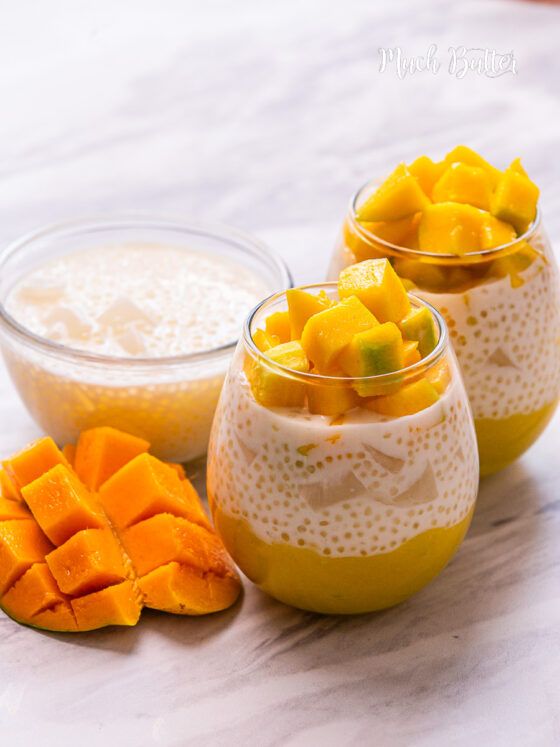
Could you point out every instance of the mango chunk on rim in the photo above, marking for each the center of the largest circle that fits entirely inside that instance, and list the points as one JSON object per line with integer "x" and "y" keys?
{"x": 100, "y": 452}
{"x": 419, "y": 325}
{"x": 278, "y": 324}
{"x": 275, "y": 389}
{"x": 399, "y": 196}
{"x": 462, "y": 183}
{"x": 327, "y": 333}
{"x": 378, "y": 287}
{"x": 301, "y": 306}
{"x": 61, "y": 505}
{"x": 408, "y": 400}
{"x": 515, "y": 200}
{"x": 450, "y": 228}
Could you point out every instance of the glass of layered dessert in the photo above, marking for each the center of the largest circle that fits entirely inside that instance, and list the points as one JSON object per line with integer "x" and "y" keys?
{"x": 468, "y": 238}
{"x": 130, "y": 323}
{"x": 342, "y": 467}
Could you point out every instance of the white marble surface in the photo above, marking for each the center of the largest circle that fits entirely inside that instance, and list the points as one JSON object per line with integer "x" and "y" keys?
{"x": 266, "y": 116}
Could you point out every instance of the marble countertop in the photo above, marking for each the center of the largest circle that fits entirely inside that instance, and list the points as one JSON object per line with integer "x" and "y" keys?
{"x": 267, "y": 116}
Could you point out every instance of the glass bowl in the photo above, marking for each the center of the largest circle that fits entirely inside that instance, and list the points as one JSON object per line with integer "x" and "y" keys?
{"x": 502, "y": 307}
{"x": 350, "y": 511}
{"x": 169, "y": 401}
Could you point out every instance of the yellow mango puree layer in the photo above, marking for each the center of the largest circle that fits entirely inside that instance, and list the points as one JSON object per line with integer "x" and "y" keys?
{"x": 502, "y": 440}
{"x": 339, "y": 585}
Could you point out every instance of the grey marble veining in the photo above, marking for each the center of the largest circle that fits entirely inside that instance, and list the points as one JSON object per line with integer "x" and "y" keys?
{"x": 267, "y": 116}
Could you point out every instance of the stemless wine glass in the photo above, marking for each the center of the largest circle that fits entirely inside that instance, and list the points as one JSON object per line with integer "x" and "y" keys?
{"x": 502, "y": 308}
{"x": 349, "y": 511}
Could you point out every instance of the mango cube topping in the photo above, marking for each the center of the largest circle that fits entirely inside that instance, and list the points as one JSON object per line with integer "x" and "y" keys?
{"x": 378, "y": 286}
{"x": 344, "y": 346}
{"x": 460, "y": 205}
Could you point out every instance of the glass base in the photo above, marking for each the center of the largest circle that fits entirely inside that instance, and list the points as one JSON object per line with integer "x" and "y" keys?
{"x": 345, "y": 585}
{"x": 502, "y": 441}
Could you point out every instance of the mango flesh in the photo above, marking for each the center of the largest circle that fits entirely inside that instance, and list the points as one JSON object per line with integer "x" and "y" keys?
{"x": 450, "y": 228}
{"x": 272, "y": 388}
{"x": 408, "y": 400}
{"x": 327, "y": 333}
{"x": 85, "y": 579}
{"x": 419, "y": 325}
{"x": 278, "y": 324}
{"x": 515, "y": 200}
{"x": 301, "y": 306}
{"x": 100, "y": 452}
{"x": 330, "y": 399}
{"x": 378, "y": 287}
{"x": 34, "y": 461}
{"x": 462, "y": 183}
{"x": 264, "y": 341}
{"x": 463, "y": 154}
{"x": 399, "y": 196}
{"x": 427, "y": 172}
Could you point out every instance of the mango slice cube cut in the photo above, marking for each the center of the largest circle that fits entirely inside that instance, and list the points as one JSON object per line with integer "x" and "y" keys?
{"x": 462, "y": 183}
{"x": 33, "y": 461}
{"x": 186, "y": 591}
{"x": 399, "y": 196}
{"x": 411, "y": 352}
{"x": 408, "y": 400}
{"x": 495, "y": 232}
{"x": 35, "y": 592}
{"x": 301, "y": 306}
{"x": 61, "y": 505}
{"x": 13, "y": 510}
{"x": 273, "y": 389}
{"x": 278, "y": 324}
{"x": 465, "y": 155}
{"x": 330, "y": 399}
{"x": 450, "y": 228}
{"x": 88, "y": 561}
{"x": 115, "y": 605}
{"x": 396, "y": 232}
{"x": 327, "y": 333}
{"x": 8, "y": 489}
{"x": 376, "y": 351}
{"x": 515, "y": 200}
{"x": 101, "y": 452}
{"x": 419, "y": 325}
{"x": 156, "y": 489}
{"x": 264, "y": 341}
{"x": 427, "y": 172}
{"x": 22, "y": 544}
{"x": 378, "y": 287}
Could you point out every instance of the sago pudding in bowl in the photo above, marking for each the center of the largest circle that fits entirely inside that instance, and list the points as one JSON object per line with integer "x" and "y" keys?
{"x": 342, "y": 466}
{"x": 468, "y": 238}
{"x": 130, "y": 323}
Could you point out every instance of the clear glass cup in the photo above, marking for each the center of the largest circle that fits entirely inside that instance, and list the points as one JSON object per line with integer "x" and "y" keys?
{"x": 345, "y": 512}
{"x": 502, "y": 307}
{"x": 169, "y": 401}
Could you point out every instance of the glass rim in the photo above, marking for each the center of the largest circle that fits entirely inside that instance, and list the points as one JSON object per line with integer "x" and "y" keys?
{"x": 408, "y": 371}
{"x": 449, "y": 258}
{"x": 244, "y": 243}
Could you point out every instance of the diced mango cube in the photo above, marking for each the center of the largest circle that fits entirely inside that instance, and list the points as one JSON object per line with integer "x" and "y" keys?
{"x": 327, "y": 333}
{"x": 21, "y": 544}
{"x": 142, "y": 488}
{"x": 33, "y": 593}
{"x": 463, "y": 154}
{"x": 378, "y": 287}
{"x": 274, "y": 389}
{"x": 399, "y": 196}
{"x": 371, "y": 353}
{"x": 88, "y": 561}
{"x": 516, "y": 165}
{"x": 183, "y": 590}
{"x": 61, "y": 505}
{"x": 409, "y": 399}
{"x": 495, "y": 232}
{"x": 450, "y": 228}
{"x": 279, "y": 324}
{"x": 165, "y": 538}
{"x": 12, "y": 510}
{"x": 264, "y": 341}
{"x": 103, "y": 451}
{"x": 515, "y": 200}
{"x": 376, "y": 351}
{"x": 439, "y": 376}
{"x": 8, "y": 488}
{"x": 396, "y": 232}
{"x": 301, "y": 306}
{"x": 33, "y": 461}
{"x": 427, "y": 172}
{"x": 115, "y": 605}
{"x": 462, "y": 183}
{"x": 424, "y": 275}
{"x": 59, "y": 618}
{"x": 330, "y": 398}
{"x": 419, "y": 325}
{"x": 411, "y": 352}
{"x": 69, "y": 452}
